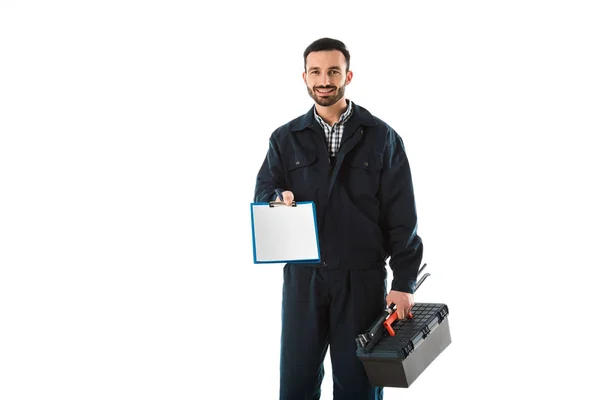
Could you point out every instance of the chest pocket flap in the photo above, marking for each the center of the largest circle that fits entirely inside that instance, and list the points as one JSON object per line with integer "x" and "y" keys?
{"x": 300, "y": 160}
{"x": 369, "y": 161}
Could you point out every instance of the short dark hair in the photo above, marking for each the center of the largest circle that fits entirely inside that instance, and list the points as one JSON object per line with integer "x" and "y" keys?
{"x": 325, "y": 44}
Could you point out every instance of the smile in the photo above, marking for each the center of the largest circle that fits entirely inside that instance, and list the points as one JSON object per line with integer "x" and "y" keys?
{"x": 324, "y": 91}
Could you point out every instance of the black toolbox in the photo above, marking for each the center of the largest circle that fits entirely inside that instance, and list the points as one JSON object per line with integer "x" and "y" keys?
{"x": 397, "y": 361}
{"x": 395, "y": 352}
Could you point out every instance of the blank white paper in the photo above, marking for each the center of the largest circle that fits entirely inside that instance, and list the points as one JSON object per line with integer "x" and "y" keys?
{"x": 285, "y": 233}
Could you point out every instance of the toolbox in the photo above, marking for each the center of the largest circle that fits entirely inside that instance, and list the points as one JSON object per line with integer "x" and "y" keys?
{"x": 395, "y": 352}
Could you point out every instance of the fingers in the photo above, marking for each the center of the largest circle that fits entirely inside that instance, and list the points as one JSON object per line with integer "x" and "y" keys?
{"x": 403, "y": 301}
{"x": 404, "y": 313}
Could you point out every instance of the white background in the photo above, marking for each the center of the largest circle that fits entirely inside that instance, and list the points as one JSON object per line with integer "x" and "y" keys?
{"x": 130, "y": 137}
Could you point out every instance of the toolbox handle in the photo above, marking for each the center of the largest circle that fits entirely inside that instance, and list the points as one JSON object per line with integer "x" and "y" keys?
{"x": 421, "y": 269}
{"x": 421, "y": 280}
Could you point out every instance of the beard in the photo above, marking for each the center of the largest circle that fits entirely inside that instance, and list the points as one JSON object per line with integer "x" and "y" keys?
{"x": 333, "y": 98}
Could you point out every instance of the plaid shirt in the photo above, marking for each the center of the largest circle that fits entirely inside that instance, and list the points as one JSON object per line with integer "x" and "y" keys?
{"x": 334, "y": 133}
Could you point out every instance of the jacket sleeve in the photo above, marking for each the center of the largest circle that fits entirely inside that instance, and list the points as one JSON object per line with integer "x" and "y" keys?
{"x": 399, "y": 215}
{"x": 271, "y": 174}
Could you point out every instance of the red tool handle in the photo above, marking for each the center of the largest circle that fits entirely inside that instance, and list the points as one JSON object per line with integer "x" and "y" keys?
{"x": 392, "y": 315}
{"x": 388, "y": 323}
{"x": 391, "y": 319}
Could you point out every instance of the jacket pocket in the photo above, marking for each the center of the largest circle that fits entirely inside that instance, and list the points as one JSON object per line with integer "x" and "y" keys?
{"x": 301, "y": 160}
{"x": 301, "y": 175}
{"x": 369, "y": 162}
{"x": 364, "y": 173}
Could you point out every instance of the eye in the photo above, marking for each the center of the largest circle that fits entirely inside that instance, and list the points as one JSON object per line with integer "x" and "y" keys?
{"x": 334, "y": 72}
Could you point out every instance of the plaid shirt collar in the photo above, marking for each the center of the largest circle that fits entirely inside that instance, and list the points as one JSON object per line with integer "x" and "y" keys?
{"x": 343, "y": 118}
{"x": 333, "y": 134}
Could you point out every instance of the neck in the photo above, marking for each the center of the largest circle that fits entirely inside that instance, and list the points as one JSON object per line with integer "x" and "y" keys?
{"x": 332, "y": 114}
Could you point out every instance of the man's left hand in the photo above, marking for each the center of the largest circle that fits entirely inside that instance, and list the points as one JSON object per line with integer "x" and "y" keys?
{"x": 403, "y": 301}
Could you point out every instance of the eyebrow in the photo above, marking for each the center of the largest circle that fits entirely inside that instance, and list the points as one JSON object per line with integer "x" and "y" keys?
{"x": 330, "y": 68}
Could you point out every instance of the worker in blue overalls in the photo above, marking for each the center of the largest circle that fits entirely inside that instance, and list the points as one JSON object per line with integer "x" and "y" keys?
{"x": 354, "y": 167}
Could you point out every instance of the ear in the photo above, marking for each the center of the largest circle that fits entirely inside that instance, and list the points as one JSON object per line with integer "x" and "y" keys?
{"x": 304, "y": 76}
{"x": 349, "y": 76}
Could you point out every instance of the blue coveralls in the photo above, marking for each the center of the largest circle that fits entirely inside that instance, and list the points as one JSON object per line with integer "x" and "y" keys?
{"x": 365, "y": 214}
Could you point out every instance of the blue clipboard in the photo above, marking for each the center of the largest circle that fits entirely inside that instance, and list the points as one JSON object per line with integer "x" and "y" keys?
{"x": 285, "y": 234}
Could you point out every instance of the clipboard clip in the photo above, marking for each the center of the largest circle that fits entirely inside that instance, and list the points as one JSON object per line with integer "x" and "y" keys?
{"x": 281, "y": 203}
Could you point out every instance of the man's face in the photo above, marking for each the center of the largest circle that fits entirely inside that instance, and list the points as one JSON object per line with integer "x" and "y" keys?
{"x": 326, "y": 76}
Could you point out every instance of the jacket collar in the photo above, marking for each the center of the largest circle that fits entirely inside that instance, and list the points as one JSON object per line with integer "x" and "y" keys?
{"x": 360, "y": 116}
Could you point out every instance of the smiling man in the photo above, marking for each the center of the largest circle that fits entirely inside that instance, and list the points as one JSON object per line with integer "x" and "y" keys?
{"x": 354, "y": 167}
{"x": 326, "y": 78}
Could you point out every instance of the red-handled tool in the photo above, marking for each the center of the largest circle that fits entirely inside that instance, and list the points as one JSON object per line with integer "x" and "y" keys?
{"x": 388, "y": 323}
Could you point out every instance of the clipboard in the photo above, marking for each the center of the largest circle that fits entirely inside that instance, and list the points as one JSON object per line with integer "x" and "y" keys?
{"x": 285, "y": 234}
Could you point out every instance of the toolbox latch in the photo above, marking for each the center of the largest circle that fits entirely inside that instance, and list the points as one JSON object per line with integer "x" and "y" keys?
{"x": 442, "y": 314}
{"x": 408, "y": 349}
{"x": 426, "y": 331}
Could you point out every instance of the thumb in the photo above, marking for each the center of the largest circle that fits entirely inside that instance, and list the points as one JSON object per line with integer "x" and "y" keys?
{"x": 288, "y": 197}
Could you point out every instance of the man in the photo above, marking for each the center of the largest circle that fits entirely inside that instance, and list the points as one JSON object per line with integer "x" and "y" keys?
{"x": 354, "y": 167}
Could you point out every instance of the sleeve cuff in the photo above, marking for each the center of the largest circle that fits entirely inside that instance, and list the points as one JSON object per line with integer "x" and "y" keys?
{"x": 406, "y": 286}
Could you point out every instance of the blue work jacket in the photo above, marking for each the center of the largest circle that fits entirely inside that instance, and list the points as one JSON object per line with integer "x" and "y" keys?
{"x": 364, "y": 200}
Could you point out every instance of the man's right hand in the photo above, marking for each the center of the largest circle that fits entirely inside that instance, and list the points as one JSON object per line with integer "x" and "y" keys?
{"x": 288, "y": 197}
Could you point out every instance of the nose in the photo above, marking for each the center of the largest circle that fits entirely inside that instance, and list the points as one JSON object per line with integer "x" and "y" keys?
{"x": 324, "y": 80}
